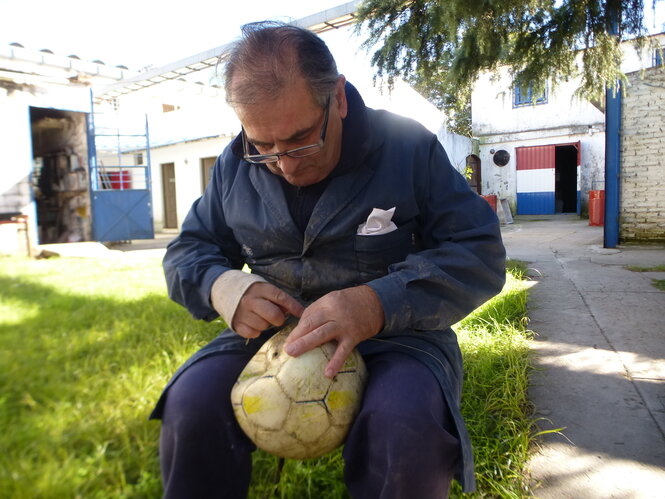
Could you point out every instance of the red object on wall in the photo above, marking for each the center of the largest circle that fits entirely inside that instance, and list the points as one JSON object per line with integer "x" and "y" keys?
{"x": 596, "y": 208}
{"x": 491, "y": 199}
{"x": 120, "y": 180}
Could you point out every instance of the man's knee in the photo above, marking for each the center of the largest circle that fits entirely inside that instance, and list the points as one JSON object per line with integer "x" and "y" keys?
{"x": 199, "y": 399}
{"x": 403, "y": 440}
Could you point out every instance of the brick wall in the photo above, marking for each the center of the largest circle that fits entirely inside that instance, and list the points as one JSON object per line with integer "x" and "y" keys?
{"x": 642, "y": 211}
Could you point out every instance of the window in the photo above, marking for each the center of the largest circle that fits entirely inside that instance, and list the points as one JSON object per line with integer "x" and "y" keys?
{"x": 524, "y": 96}
{"x": 658, "y": 56}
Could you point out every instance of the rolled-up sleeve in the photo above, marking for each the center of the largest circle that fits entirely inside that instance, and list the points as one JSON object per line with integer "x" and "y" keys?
{"x": 204, "y": 250}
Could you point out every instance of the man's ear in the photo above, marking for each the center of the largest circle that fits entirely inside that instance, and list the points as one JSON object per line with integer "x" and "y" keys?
{"x": 340, "y": 97}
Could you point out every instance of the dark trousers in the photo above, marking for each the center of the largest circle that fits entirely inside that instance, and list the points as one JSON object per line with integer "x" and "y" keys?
{"x": 401, "y": 444}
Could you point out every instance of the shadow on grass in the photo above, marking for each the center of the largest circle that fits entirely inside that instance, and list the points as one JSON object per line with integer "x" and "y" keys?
{"x": 80, "y": 375}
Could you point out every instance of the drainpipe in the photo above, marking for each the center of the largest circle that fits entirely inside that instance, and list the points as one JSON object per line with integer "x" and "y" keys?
{"x": 612, "y": 145}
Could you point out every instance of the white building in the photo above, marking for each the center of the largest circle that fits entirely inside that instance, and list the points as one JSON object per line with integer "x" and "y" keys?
{"x": 185, "y": 141}
{"x": 543, "y": 153}
{"x": 98, "y": 153}
{"x": 45, "y": 105}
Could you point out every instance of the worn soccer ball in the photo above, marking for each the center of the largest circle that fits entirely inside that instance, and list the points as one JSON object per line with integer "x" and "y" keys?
{"x": 287, "y": 407}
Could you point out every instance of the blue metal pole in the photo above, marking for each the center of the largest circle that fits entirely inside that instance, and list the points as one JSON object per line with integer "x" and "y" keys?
{"x": 612, "y": 140}
{"x": 92, "y": 147}
{"x": 612, "y": 165}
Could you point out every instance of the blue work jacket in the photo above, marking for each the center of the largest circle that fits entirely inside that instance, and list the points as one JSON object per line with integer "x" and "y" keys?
{"x": 444, "y": 259}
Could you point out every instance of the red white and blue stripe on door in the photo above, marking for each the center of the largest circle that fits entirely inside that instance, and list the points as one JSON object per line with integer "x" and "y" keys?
{"x": 536, "y": 179}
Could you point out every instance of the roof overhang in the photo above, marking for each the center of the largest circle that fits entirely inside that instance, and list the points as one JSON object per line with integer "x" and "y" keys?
{"x": 334, "y": 18}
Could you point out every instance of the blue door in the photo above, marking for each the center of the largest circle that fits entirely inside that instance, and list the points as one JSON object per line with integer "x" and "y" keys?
{"x": 120, "y": 181}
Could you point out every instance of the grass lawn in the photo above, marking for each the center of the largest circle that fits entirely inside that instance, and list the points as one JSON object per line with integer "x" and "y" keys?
{"x": 86, "y": 345}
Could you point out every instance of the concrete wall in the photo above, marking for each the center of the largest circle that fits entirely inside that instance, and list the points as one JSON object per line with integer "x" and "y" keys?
{"x": 642, "y": 184}
{"x": 15, "y": 144}
{"x": 457, "y": 147}
{"x": 186, "y": 158}
{"x": 636, "y": 58}
{"x": 16, "y": 157}
{"x": 562, "y": 119}
{"x": 501, "y": 180}
{"x": 493, "y": 112}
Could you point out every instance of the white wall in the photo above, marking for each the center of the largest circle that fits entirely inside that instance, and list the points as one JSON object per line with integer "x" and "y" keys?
{"x": 492, "y": 100}
{"x": 493, "y": 111}
{"x": 16, "y": 161}
{"x": 15, "y": 143}
{"x": 501, "y": 180}
{"x": 187, "y": 160}
{"x": 564, "y": 118}
{"x": 15, "y": 139}
{"x": 457, "y": 147}
{"x": 636, "y": 58}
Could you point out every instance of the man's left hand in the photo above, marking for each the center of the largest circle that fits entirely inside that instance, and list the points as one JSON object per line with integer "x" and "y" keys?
{"x": 347, "y": 316}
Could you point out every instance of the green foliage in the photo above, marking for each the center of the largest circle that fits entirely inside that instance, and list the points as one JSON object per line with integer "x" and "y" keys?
{"x": 641, "y": 268}
{"x": 659, "y": 283}
{"x": 443, "y": 45}
{"x": 518, "y": 268}
{"x": 86, "y": 346}
{"x": 494, "y": 343}
{"x": 311, "y": 479}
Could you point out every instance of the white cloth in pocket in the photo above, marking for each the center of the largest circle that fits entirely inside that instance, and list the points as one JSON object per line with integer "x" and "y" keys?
{"x": 378, "y": 222}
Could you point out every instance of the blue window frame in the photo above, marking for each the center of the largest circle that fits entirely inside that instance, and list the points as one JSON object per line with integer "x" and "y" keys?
{"x": 658, "y": 56}
{"x": 523, "y": 95}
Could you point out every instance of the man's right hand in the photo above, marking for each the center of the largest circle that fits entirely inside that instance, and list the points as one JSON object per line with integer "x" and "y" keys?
{"x": 263, "y": 305}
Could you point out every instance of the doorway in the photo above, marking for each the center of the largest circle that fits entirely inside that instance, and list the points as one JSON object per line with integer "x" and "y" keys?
{"x": 472, "y": 173}
{"x": 169, "y": 192}
{"x": 60, "y": 175}
{"x": 565, "y": 179}
{"x": 547, "y": 179}
{"x": 206, "y": 171}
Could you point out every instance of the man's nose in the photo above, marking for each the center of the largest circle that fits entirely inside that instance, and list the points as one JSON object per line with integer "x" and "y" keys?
{"x": 287, "y": 164}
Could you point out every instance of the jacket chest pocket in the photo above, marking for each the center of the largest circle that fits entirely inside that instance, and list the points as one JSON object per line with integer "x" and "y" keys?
{"x": 374, "y": 254}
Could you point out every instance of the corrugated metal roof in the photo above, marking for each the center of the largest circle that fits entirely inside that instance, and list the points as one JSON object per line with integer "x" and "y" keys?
{"x": 334, "y": 18}
{"x": 23, "y": 61}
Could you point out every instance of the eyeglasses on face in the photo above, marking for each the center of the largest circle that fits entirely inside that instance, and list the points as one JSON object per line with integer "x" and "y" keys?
{"x": 298, "y": 152}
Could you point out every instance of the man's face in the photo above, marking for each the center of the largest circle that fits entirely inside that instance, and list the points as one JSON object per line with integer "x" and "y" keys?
{"x": 295, "y": 120}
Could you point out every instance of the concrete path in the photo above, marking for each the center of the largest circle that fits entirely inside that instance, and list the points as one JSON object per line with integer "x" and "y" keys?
{"x": 139, "y": 248}
{"x": 599, "y": 353}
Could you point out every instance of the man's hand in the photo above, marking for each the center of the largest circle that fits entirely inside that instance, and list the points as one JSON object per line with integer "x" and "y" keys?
{"x": 348, "y": 317}
{"x": 263, "y": 305}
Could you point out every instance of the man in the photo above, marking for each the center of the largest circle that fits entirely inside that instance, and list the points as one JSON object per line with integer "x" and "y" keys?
{"x": 291, "y": 197}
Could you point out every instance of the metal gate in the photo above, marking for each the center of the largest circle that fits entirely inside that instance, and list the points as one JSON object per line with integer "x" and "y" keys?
{"x": 120, "y": 180}
{"x": 537, "y": 176}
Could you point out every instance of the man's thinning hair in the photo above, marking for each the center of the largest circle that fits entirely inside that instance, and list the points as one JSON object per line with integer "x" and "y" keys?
{"x": 269, "y": 56}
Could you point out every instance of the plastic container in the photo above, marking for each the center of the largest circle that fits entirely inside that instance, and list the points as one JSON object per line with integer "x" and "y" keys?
{"x": 596, "y": 208}
{"x": 491, "y": 199}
